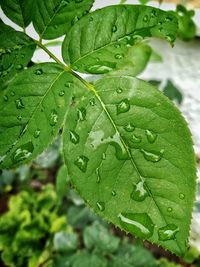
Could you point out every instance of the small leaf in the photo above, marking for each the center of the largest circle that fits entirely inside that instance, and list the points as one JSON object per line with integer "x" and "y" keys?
{"x": 140, "y": 168}
{"x": 173, "y": 92}
{"x": 16, "y": 50}
{"x": 32, "y": 112}
{"x": 19, "y": 11}
{"x": 98, "y": 42}
{"x": 53, "y": 19}
{"x": 65, "y": 242}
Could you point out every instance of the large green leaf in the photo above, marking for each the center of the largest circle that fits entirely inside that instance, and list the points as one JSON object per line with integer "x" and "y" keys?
{"x": 32, "y": 112}
{"x": 100, "y": 41}
{"x": 19, "y": 11}
{"x": 16, "y": 50}
{"x": 4, "y": 27}
{"x": 54, "y": 18}
{"x": 129, "y": 154}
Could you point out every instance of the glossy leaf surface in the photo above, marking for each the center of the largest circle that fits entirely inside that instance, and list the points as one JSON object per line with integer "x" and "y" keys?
{"x": 100, "y": 41}
{"x": 131, "y": 159}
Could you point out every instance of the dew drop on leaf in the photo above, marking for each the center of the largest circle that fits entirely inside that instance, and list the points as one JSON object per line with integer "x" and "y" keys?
{"x": 181, "y": 196}
{"x": 129, "y": 127}
{"x": 153, "y": 14}
{"x": 82, "y": 162}
{"x": 12, "y": 93}
{"x": 62, "y": 93}
{"x": 113, "y": 193}
{"x": 67, "y": 85}
{"x": 151, "y": 136}
{"x": 101, "y": 205}
{"x": 19, "y": 118}
{"x": 119, "y": 90}
{"x": 136, "y": 139}
{"x": 19, "y": 103}
{"x": 53, "y": 117}
{"x": 91, "y": 19}
{"x": 169, "y": 209}
{"x": 119, "y": 56}
{"x": 168, "y": 19}
{"x": 101, "y": 68}
{"x": 23, "y": 152}
{"x": 38, "y": 71}
{"x": 104, "y": 156}
{"x": 168, "y": 232}
{"x": 116, "y": 142}
{"x": 81, "y": 114}
{"x": 98, "y": 175}
{"x": 139, "y": 192}
{"x": 74, "y": 137}
{"x": 37, "y": 133}
{"x": 145, "y": 19}
{"x": 114, "y": 28}
{"x": 75, "y": 19}
{"x": 123, "y": 106}
{"x": 19, "y": 67}
{"x": 139, "y": 224}
{"x": 92, "y": 102}
{"x": 5, "y": 97}
{"x": 151, "y": 156}
{"x": 117, "y": 45}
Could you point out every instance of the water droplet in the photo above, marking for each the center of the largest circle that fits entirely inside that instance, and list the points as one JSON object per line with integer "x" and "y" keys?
{"x": 113, "y": 193}
{"x": 151, "y": 136}
{"x": 104, "y": 156}
{"x": 12, "y": 93}
{"x": 119, "y": 90}
{"x": 75, "y": 19}
{"x": 168, "y": 19}
{"x": 98, "y": 175}
{"x": 101, "y": 205}
{"x": 121, "y": 152}
{"x": 114, "y": 28}
{"x": 168, "y": 232}
{"x": 37, "y": 133}
{"x": 170, "y": 38}
{"x": 38, "y": 72}
{"x": 139, "y": 191}
{"x": 22, "y": 55}
{"x": 62, "y": 93}
{"x": 153, "y": 13}
{"x": 101, "y": 68}
{"x": 17, "y": 47}
{"x": 145, "y": 19}
{"x": 129, "y": 127}
{"x": 19, "y": 67}
{"x": 169, "y": 209}
{"x": 67, "y": 85}
{"x": 5, "y": 97}
{"x": 81, "y": 114}
{"x": 136, "y": 139}
{"x": 181, "y": 196}
{"x": 153, "y": 157}
{"x": 92, "y": 102}
{"x": 123, "y": 106}
{"x": 74, "y": 137}
{"x": 117, "y": 45}
{"x": 23, "y": 152}
{"x": 91, "y": 18}
{"x": 53, "y": 117}
{"x": 119, "y": 56}
{"x": 19, "y": 103}
{"x": 19, "y": 118}
{"x": 139, "y": 224}
{"x": 82, "y": 162}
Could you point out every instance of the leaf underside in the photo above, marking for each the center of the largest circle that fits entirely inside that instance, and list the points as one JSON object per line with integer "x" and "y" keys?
{"x": 101, "y": 41}
{"x": 54, "y": 18}
{"x": 129, "y": 154}
{"x": 33, "y": 109}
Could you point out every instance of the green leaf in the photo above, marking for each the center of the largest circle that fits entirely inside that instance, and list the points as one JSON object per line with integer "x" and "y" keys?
{"x": 19, "y": 11}
{"x": 65, "y": 242}
{"x": 54, "y": 18}
{"x": 172, "y": 92}
{"x": 62, "y": 180}
{"x": 4, "y": 27}
{"x": 16, "y": 50}
{"x": 85, "y": 259}
{"x": 33, "y": 108}
{"x": 98, "y": 237}
{"x": 134, "y": 163}
{"x": 135, "y": 60}
{"x": 98, "y": 42}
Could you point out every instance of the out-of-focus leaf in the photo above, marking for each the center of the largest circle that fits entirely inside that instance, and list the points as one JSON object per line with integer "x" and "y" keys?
{"x": 65, "y": 242}
{"x": 172, "y": 92}
{"x": 62, "y": 180}
{"x": 85, "y": 259}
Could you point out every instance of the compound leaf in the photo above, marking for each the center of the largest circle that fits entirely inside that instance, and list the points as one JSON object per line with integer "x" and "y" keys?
{"x": 19, "y": 11}
{"x": 32, "y": 112}
{"x": 16, "y": 50}
{"x": 129, "y": 154}
{"x": 101, "y": 40}
{"x": 54, "y": 18}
